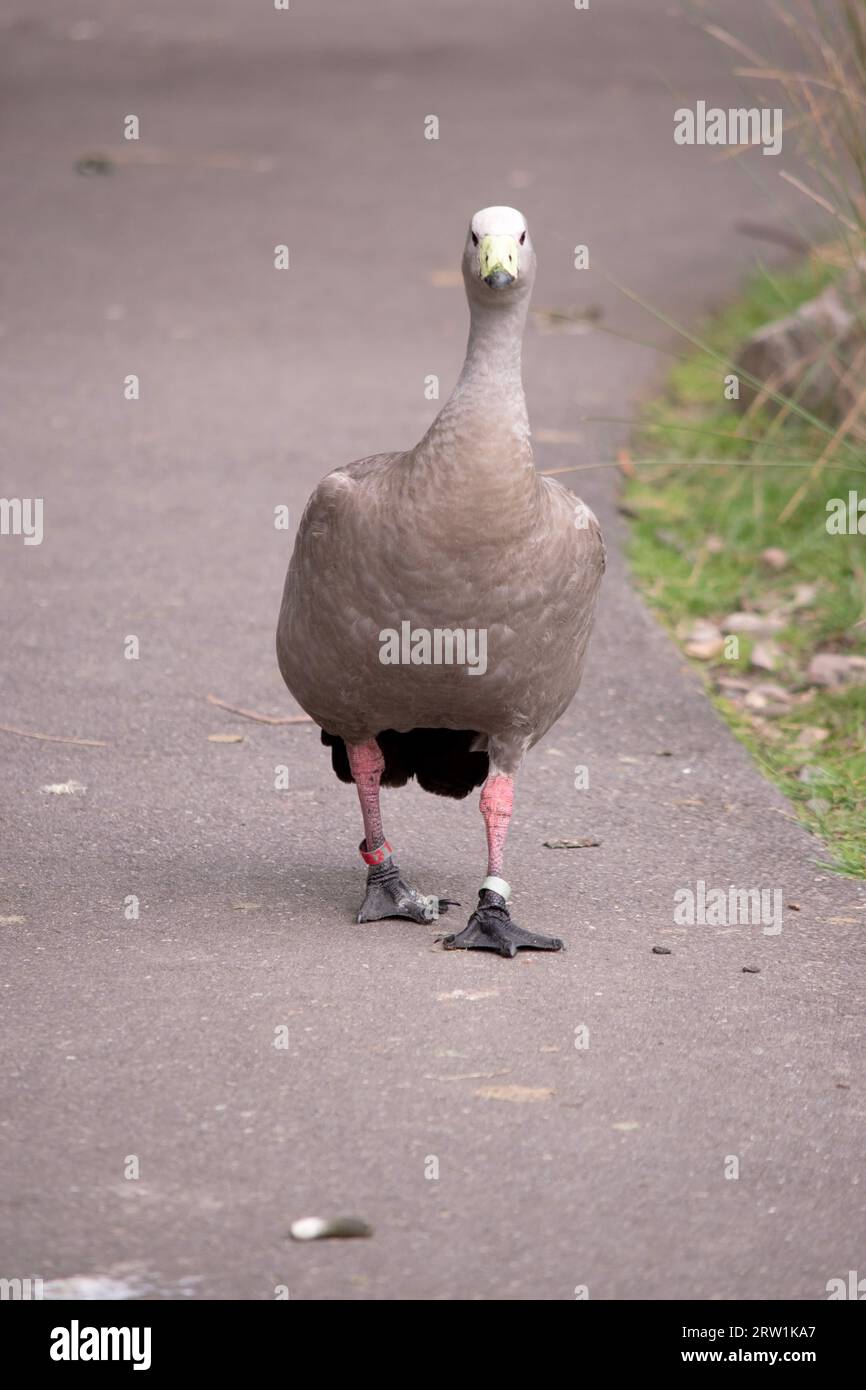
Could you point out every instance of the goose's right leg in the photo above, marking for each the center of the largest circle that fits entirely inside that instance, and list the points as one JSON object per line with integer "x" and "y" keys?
{"x": 490, "y": 928}
{"x": 387, "y": 895}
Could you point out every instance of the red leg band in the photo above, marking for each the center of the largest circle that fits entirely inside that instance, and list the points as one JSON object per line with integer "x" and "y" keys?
{"x": 376, "y": 856}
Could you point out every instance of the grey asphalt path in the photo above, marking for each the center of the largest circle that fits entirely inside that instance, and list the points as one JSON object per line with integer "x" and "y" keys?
{"x": 155, "y": 1038}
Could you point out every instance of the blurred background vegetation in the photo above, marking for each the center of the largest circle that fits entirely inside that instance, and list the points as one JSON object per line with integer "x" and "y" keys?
{"x": 729, "y": 497}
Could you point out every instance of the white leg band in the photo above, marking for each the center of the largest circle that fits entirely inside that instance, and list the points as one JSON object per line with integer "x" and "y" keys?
{"x": 497, "y": 885}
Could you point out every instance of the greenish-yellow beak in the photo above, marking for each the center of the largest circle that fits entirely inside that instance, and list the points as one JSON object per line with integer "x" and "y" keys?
{"x": 500, "y": 260}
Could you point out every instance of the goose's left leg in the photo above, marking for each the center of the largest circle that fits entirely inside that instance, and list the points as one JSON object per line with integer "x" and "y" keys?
{"x": 387, "y": 895}
{"x": 490, "y": 927}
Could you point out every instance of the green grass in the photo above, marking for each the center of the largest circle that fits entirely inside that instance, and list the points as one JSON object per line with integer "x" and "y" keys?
{"x": 706, "y": 503}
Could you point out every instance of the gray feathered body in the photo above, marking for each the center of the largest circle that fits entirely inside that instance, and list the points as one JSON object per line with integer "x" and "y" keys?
{"x": 410, "y": 537}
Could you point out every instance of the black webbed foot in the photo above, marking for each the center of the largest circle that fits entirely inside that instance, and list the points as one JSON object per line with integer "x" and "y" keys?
{"x": 490, "y": 928}
{"x": 388, "y": 896}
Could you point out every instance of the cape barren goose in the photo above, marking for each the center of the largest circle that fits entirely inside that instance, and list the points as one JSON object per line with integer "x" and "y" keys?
{"x": 438, "y": 603}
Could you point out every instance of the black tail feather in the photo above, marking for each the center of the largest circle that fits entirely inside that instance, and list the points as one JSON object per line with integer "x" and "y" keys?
{"x": 441, "y": 759}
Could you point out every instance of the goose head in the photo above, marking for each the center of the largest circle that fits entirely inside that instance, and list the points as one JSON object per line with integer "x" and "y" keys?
{"x": 498, "y": 259}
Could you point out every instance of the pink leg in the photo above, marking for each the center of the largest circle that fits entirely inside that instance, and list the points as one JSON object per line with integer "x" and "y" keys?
{"x": 387, "y": 895}
{"x": 490, "y": 928}
{"x": 497, "y": 802}
{"x": 367, "y": 764}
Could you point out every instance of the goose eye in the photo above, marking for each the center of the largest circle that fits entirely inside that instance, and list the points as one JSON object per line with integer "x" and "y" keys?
{"x": 522, "y": 238}
{"x": 474, "y": 239}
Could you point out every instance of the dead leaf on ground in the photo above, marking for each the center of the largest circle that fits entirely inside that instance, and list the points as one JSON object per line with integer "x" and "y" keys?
{"x": 811, "y": 736}
{"x": 804, "y": 595}
{"x": 468, "y": 1076}
{"x": 833, "y": 669}
{"x": 468, "y": 994}
{"x": 733, "y": 683}
{"x": 771, "y": 700}
{"x": 705, "y": 651}
{"x": 771, "y": 692}
{"x": 766, "y": 655}
{"x": 775, "y": 558}
{"x": 586, "y": 843}
{"x": 698, "y": 630}
{"x": 765, "y": 728}
{"x": 755, "y": 700}
{"x": 754, "y": 624}
{"x": 517, "y": 1095}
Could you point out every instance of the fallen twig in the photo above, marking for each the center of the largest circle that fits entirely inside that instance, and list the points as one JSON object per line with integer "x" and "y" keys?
{"x": 54, "y": 738}
{"x": 260, "y": 718}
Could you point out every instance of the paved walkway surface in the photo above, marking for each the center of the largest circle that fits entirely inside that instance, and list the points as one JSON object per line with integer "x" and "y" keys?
{"x": 155, "y": 1038}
